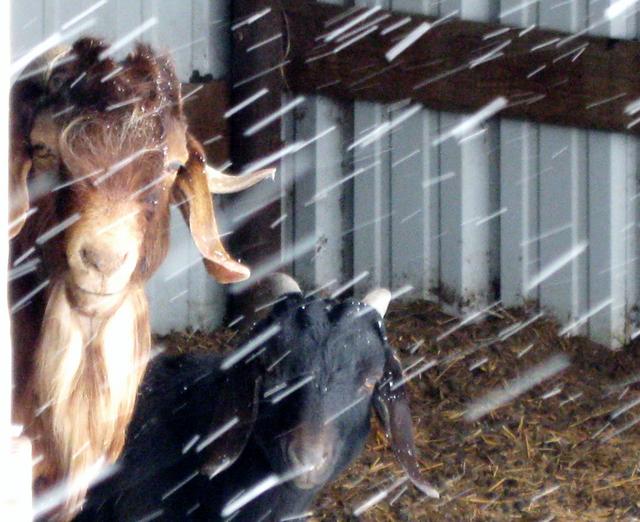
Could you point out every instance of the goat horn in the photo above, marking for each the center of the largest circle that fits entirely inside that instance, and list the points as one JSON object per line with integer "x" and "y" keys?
{"x": 53, "y": 57}
{"x": 274, "y": 286}
{"x": 43, "y": 66}
{"x": 220, "y": 183}
{"x": 281, "y": 284}
{"x": 379, "y": 300}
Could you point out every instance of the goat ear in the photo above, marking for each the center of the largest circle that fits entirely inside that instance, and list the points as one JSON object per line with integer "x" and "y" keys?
{"x": 23, "y": 100}
{"x": 192, "y": 190}
{"x": 26, "y": 94}
{"x": 392, "y": 406}
{"x": 231, "y": 443}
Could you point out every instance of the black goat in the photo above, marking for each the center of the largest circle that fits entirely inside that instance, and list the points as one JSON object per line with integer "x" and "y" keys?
{"x": 190, "y": 416}
{"x": 296, "y": 408}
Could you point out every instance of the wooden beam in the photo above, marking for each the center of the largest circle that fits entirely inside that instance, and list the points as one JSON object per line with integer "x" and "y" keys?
{"x": 204, "y": 107}
{"x": 546, "y": 76}
{"x": 256, "y": 70}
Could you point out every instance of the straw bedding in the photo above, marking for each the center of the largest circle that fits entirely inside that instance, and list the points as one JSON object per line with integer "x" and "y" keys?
{"x": 563, "y": 450}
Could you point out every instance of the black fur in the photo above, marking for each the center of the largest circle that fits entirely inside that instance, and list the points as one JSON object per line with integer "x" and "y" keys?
{"x": 341, "y": 345}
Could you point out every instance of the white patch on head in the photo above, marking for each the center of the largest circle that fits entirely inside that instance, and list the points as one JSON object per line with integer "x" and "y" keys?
{"x": 88, "y": 144}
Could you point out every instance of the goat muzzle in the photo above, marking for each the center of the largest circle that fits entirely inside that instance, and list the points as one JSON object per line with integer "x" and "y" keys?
{"x": 314, "y": 452}
{"x": 103, "y": 253}
{"x": 102, "y": 260}
{"x": 92, "y": 304}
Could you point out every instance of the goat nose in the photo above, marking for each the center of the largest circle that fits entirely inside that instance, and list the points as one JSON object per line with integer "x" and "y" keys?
{"x": 314, "y": 457}
{"x": 103, "y": 260}
{"x": 317, "y": 456}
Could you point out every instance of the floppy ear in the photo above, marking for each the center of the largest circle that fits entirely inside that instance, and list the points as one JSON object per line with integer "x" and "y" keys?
{"x": 227, "y": 448}
{"x": 392, "y": 406}
{"x": 24, "y": 97}
{"x": 192, "y": 187}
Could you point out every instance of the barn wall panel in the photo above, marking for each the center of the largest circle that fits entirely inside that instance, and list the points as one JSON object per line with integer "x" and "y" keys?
{"x": 319, "y": 194}
{"x": 519, "y": 185}
{"x": 27, "y": 26}
{"x": 321, "y": 209}
{"x": 570, "y": 192}
{"x": 415, "y": 220}
{"x": 371, "y": 187}
{"x": 484, "y": 217}
{"x": 612, "y": 189}
{"x": 468, "y": 192}
{"x": 563, "y": 196}
{"x": 196, "y": 32}
{"x": 371, "y": 197}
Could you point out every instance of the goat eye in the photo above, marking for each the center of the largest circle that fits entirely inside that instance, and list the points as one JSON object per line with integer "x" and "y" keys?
{"x": 56, "y": 81}
{"x": 173, "y": 166}
{"x": 369, "y": 384}
{"x": 150, "y": 199}
{"x": 39, "y": 149}
{"x": 149, "y": 205}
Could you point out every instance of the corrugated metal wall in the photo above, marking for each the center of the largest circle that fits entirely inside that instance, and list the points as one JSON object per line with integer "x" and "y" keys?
{"x": 466, "y": 222}
{"x": 473, "y": 221}
{"x": 196, "y": 32}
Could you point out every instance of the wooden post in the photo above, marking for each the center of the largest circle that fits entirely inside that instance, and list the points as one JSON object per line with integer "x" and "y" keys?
{"x": 15, "y": 451}
{"x": 256, "y": 66}
{"x": 204, "y": 108}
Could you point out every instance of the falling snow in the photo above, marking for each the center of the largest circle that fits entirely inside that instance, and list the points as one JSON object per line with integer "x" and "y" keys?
{"x": 512, "y": 227}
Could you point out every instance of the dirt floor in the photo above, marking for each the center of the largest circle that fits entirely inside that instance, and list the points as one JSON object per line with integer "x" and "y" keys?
{"x": 567, "y": 449}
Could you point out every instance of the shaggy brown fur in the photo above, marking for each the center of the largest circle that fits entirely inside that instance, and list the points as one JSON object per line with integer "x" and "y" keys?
{"x": 98, "y": 151}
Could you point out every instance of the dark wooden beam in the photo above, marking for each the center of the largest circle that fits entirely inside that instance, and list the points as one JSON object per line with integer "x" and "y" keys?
{"x": 546, "y": 76}
{"x": 204, "y": 107}
{"x": 255, "y": 66}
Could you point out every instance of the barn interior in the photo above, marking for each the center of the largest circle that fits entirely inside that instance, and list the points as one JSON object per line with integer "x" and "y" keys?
{"x": 556, "y": 452}
{"x": 479, "y": 159}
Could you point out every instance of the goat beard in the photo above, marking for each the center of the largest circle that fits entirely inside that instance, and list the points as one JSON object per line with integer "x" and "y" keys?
{"x": 87, "y": 372}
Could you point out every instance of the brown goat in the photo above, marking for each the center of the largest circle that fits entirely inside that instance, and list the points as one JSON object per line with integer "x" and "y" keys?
{"x": 99, "y": 151}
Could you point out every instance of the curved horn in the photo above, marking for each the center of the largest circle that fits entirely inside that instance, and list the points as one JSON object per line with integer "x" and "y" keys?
{"x": 43, "y": 65}
{"x": 51, "y": 59}
{"x": 220, "y": 183}
{"x": 378, "y": 299}
{"x": 269, "y": 291}
{"x": 280, "y": 284}
{"x": 191, "y": 189}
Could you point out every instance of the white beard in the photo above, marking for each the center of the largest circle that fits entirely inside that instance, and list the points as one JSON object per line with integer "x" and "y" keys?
{"x": 87, "y": 372}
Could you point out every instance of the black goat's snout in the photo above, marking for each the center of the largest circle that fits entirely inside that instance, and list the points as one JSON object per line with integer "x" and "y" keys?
{"x": 311, "y": 452}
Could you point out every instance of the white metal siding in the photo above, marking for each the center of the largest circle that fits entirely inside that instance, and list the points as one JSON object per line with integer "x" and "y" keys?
{"x": 567, "y": 188}
{"x": 492, "y": 211}
{"x": 612, "y": 219}
{"x": 181, "y": 294}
